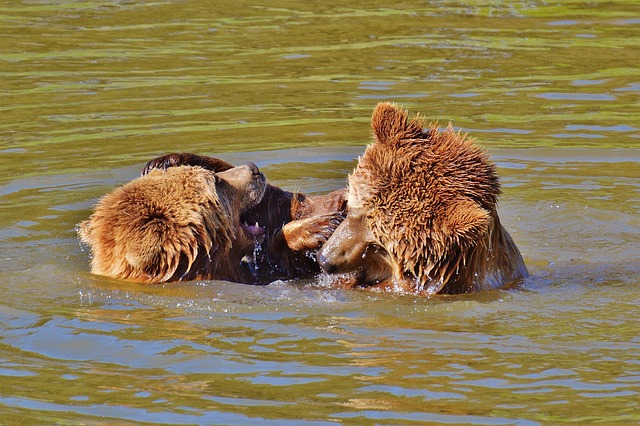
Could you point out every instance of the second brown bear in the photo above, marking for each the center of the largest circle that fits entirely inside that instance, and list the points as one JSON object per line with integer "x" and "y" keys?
{"x": 422, "y": 215}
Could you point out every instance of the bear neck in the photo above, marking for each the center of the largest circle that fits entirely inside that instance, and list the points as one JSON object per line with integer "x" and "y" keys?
{"x": 494, "y": 262}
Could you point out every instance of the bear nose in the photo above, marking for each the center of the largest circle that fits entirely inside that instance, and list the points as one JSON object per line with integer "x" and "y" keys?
{"x": 324, "y": 263}
{"x": 254, "y": 169}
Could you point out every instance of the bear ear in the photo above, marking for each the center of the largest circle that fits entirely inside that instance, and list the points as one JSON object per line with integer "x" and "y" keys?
{"x": 465, "y": 223}
{"x": 391, "y": 124}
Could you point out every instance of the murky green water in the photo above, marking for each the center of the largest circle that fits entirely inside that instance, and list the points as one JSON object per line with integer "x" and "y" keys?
{"x": 91, "y": 90}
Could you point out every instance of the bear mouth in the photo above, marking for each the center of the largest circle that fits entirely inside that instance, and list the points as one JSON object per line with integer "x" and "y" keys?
{"x": 254, "y": 232}
{"x": 257, "y": 234}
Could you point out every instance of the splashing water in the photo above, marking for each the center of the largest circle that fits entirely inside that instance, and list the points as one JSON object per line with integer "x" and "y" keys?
{"x": 257, "y": 249}
{"x": 258, "y": 235}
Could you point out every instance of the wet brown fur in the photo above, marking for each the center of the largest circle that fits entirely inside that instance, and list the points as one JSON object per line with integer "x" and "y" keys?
{"x": 296, "y": 224}
{"x": 168, "y": 226}
{"x": 181, "y": 221}
{"x": 422, "y": 214}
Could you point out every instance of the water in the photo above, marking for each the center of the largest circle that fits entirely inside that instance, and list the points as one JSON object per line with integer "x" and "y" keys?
{"x": 92, "y": 90}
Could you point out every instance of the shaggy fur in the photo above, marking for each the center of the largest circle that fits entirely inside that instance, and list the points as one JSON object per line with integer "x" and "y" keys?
{"x": 292, "y": 225}
{"x": 175, "y": 225}
{"x": 422, "y": 214}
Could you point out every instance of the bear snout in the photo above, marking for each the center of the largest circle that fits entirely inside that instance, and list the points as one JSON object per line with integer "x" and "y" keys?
{"x": 325, "y": 264}
{"x": 256, "y": 174}
{"x": 255, "y": 171}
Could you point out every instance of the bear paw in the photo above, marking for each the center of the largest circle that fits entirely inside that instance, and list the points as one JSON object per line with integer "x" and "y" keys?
{"x": 311, "y": 233}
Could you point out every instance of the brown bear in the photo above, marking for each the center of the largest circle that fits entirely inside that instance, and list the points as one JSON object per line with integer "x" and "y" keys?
{"x": 295, "y": 224}
{"x": 421, "y": 215}
{"x": 191, "y": 217}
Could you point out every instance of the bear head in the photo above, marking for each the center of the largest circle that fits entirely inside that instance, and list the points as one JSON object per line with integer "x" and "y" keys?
{"x": 418, "y": 201}
{"x": 178, "y": 224}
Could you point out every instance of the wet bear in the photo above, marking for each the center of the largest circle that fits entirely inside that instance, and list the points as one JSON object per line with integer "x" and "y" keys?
{"x": 193, "y": 217}
{"x": 422, "y": 215}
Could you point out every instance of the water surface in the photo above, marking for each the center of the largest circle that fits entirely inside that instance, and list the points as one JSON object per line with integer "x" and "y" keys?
{"x": 92, "y": 90}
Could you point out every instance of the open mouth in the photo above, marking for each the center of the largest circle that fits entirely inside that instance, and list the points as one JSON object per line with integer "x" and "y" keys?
{"x": 254, "y": 232}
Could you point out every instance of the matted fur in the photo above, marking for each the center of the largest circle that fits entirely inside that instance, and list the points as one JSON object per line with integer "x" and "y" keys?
{"x": 155, "y": 227}
{"x": 192, "y": 217}
{"x": 294, "y": 224}
{"x": 427, "y": 200}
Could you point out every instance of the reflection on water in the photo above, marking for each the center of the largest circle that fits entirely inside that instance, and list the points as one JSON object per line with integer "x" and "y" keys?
{"x": 92, "y": 90}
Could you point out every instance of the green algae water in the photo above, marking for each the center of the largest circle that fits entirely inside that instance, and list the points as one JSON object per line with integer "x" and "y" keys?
{"x": 92, "y": 90}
